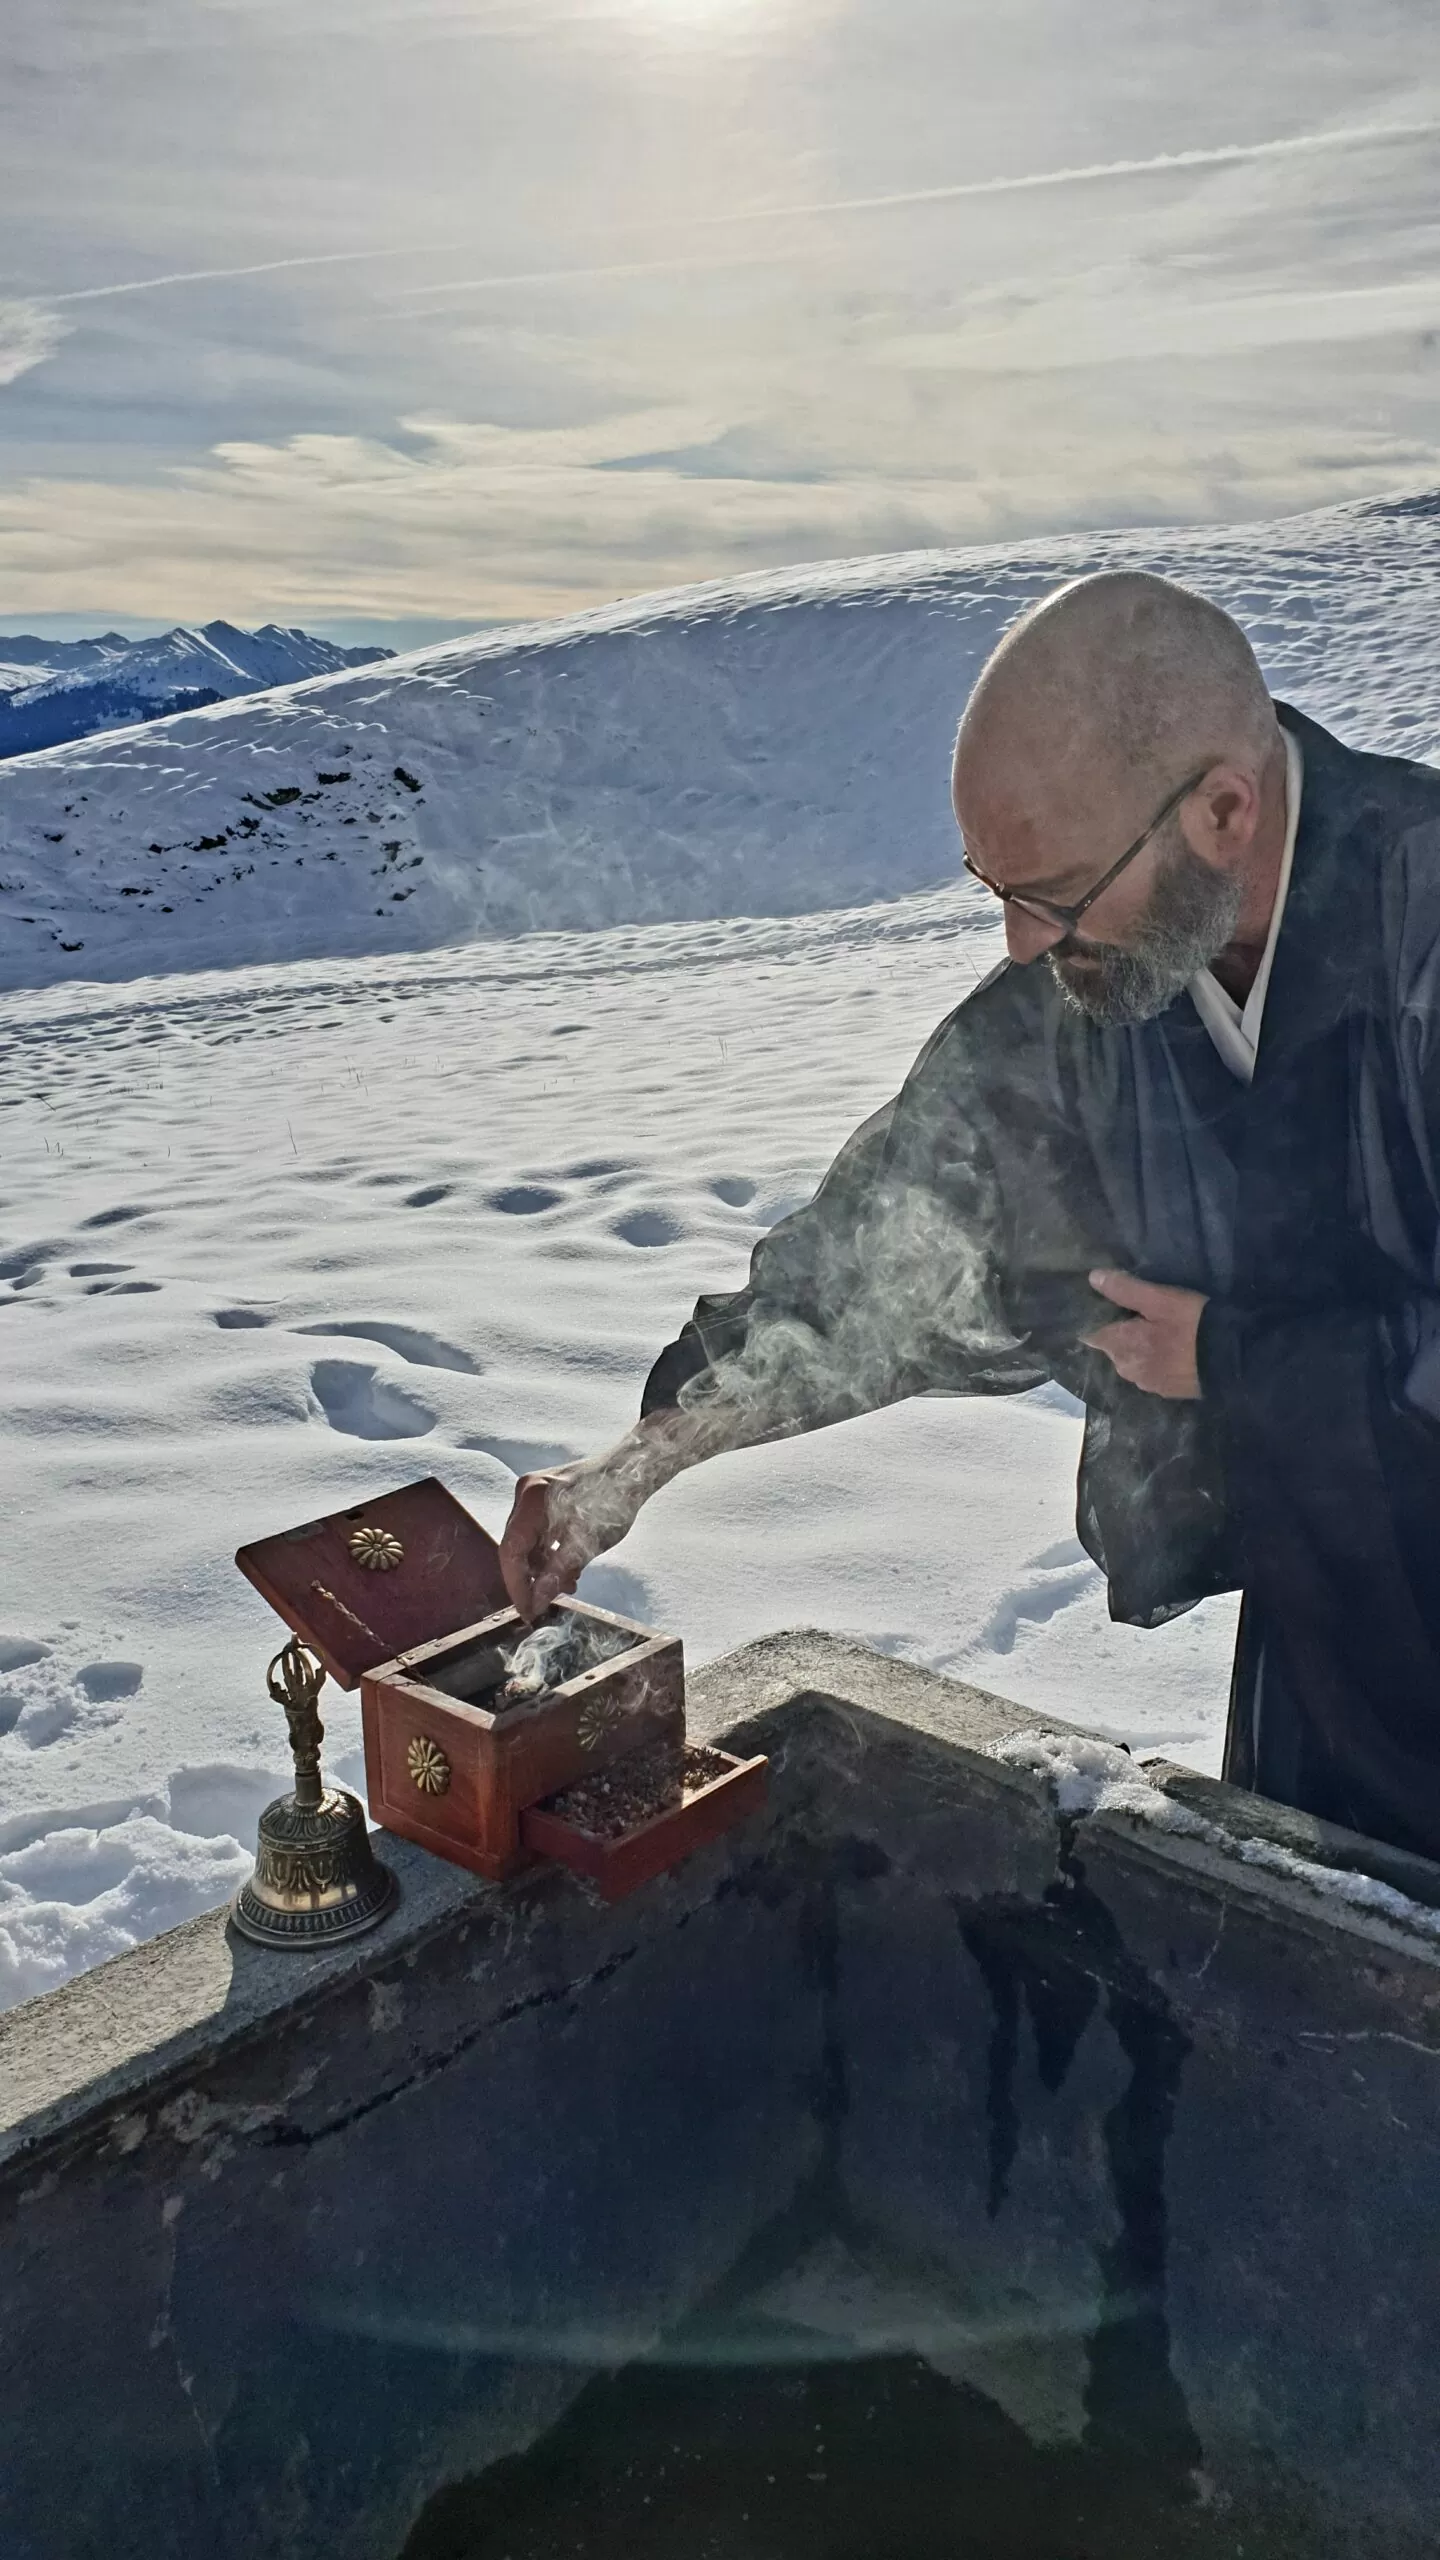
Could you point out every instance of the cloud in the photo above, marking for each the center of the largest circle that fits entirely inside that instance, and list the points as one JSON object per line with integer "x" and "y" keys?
{"x": 833, "y": 280}
{"x": 475, "y": 520}
{"x": 1096, "y": 327}
{"x": 28, "y": 334}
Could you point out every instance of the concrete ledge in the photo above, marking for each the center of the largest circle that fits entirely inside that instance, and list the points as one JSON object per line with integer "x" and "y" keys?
{"x": 1122, "y": 2084}
{"x": 199, "y": 1989}
{"x": 124, "y": 2027}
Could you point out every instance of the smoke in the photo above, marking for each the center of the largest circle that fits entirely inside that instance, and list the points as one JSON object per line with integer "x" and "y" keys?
{"x": 891, "y": 1282}
{"x": 560, "y": 1650}
{"x": 915, "y": 1299}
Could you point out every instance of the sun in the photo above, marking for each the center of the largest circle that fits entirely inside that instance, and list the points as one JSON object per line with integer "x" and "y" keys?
{"x": 706, "y": 23}
{"x": 681, "y": 14}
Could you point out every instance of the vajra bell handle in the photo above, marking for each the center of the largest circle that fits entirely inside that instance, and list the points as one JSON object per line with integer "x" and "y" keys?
{"x": 295, "y": 1680}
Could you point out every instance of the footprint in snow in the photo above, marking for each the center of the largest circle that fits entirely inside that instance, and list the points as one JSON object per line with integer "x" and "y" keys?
{"x": 734, "y": 1190}
{"x": 97, "y": 1270}
{"x": 49, "y": 1721}
{"x": 647, "y": 1227}
{"x": 18, "y": 1652}
{"x": 1065, "y": 1551}
{"x": 422, "y": 1350}
{"x": 238, "y": 1319}
{"x": 112, "y": 1218}
{"x": 1059, "y": 1578}
{"x": 70, "y": 1866}
{"x": 522, "y": 1457}
{"x": 427, "y": 1196}
{"x": 105, "y": 1680}
{"x": 43, "y": 1711}
{"x": 22, "y": 1270}
{"x": 524, "y": 1200}
{"x": 364, "y": 1407}
{"x": 218, "y": 1800}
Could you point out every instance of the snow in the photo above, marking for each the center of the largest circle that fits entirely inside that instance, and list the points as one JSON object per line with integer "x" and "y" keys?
{"x": 67, "y": 689}
{"x": 768, "y": 747}
{"x": 1086, "y": 1776}
{"x": 280, "y": 1231}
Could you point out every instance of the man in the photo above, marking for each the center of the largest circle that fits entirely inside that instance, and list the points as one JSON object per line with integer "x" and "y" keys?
{"x": 1204, "y": 1088}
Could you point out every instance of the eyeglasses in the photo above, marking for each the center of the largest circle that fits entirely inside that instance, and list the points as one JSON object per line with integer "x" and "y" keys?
{"x": 1047, "y": 909}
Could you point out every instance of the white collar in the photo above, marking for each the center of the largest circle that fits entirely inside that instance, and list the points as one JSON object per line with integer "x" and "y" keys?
{"x": 1236, "y": 1031}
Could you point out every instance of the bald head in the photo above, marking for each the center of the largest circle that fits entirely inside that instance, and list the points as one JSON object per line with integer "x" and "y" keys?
{"x": 1117, "y": 684}
{"x": 1097, "y": 707}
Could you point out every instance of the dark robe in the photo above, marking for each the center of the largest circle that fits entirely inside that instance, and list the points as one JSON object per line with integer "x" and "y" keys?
{"x": 947, "y": 1248}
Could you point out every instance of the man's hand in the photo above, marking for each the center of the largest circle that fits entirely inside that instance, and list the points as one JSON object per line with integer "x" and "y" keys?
{"x": 563, "y": 1517}
{"x": 1156, "y": 1349}
{"x": 545, "y": 1549}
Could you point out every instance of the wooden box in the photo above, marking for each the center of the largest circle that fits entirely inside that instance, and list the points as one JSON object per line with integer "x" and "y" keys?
{"x": 455, "y": 1773}
{"x": 404, "y": 1596}
{"x": 617, "y": 1862}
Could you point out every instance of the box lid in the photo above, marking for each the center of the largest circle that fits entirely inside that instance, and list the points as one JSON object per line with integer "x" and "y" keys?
{"x": 370, "y": 1582}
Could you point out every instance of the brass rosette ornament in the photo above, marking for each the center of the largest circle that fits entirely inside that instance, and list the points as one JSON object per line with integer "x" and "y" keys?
{"x": 378, "y": 1550}
{"x": 316, "y": 1877}
{"x": 429, "y": 1769}
{"x": 596, "y": 1722}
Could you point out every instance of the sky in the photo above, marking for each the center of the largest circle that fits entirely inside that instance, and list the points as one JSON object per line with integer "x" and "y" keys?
{"x": 395, "y": 317}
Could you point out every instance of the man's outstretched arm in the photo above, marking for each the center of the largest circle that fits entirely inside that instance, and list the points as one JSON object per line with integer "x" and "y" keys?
{"x": 563, "y": 1517}
{"x": 880, "y": 1288}
{"x": 703, "y": 1396}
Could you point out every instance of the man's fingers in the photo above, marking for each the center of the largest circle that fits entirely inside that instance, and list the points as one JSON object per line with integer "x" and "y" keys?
{"x": 556, "y": 1571}
{"x": 523, "y": 1554}
{"x": 515, "y": 1568}
{"x": 1154, "y": 1348}
{"x": 1122, "y": 1344}
{"x": 1142, "y": 1297}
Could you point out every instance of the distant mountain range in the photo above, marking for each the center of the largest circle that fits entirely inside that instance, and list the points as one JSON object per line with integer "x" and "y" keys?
{"x": 54, "y": 690}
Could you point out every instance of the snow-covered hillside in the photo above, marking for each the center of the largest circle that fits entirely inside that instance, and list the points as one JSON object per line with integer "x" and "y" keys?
{"x": 766, "y": 748}
{"x": 52, "y": 691}
{"x": 276, "y": 1239}
{"x": 276, "y": 1236}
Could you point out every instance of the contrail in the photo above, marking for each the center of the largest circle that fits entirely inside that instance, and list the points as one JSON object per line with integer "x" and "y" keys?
{"x": 685, "y": 265}
{"x": 262, "y": 267}
{"x": 1221, "y": 155}
{"x": 1089, "y": 173}
{"x": 1218, "y": 156}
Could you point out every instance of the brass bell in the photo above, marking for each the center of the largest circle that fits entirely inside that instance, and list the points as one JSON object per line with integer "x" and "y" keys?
{"x": 316, "y": 1879}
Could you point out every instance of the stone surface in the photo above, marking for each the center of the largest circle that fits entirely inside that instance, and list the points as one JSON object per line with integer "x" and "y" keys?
{"x": 1123, "y": 2129}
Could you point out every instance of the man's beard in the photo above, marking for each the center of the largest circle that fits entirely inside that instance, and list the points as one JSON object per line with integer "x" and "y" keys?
{"x": 1193, "y": 912}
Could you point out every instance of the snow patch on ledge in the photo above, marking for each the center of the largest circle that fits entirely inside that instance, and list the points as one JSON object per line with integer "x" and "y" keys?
{"x": 1088, "y": 1777}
